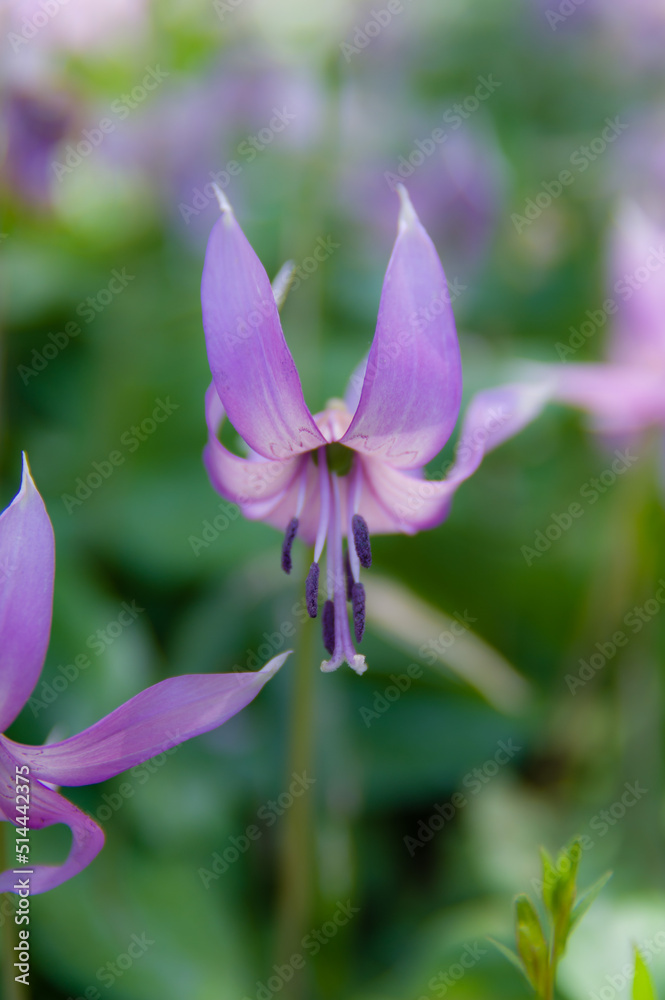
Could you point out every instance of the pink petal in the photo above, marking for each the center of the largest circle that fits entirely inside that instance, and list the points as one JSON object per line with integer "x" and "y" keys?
{"x": 243, "y": 480}
{"x": 492, "y": 417}
{"x": 413, "y": 380}
{"x": 407, "y": 502}
{"x": 638, "y": 288}
{"x": 46, "y": 809}
{"x": 161, "y": 717}
{"x": 251, "y": 365}
{"x": 623, "y": 399}
{"x": 27, "y": 561}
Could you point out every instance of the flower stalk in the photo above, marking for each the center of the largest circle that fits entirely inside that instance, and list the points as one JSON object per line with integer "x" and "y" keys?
{"x": 295, "y": 852}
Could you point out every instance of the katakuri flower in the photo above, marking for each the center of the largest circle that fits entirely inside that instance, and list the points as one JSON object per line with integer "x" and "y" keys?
{"x": 357, "y": 468}
{"x": 626, "y": 394}
{"x": 161, "y": 717}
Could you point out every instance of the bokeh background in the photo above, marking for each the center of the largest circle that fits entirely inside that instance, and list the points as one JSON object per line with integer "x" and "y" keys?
{"x": 303, "y": 112}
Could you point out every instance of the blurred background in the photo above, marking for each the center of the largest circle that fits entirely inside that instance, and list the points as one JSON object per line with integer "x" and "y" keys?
{"x": 115, "y": 118}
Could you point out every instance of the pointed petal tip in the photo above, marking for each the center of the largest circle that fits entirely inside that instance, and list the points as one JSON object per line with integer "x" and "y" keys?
{"x": 407, "y": 213}
{"x": 222, "y": 200}
{"x": 27, "y": 482}
{"x": 272, "y": 666}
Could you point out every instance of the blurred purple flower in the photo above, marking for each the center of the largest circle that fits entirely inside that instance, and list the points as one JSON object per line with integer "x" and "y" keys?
{"x": 626, "y": 395}
{"x": 34, "y": 124}
{"x": 152, "y": 722}
{"x": 357, "y": 467}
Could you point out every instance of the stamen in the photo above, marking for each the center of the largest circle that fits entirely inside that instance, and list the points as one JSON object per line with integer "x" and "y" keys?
{"x": 328, "y": 623}
{"x": 291, "y": 531}
{"x": 349, "y": 575}
{"x": 358, "y": 605}
{"x": 312, "y": 590}
{"x": 361, "y": 540}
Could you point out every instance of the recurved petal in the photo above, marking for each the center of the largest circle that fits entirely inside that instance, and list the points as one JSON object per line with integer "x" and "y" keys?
{"x": 27, "y": 561}
{"x": 412, "y": 385}
{"x": 251, "y": 364}
{"x": 243, "y": 480}
{"x": 622, "y": 398}
{"x": 412, "y": 503}
{"x": 152, "y": 722}
{"x": 493, "y": 416}
{"x": 46, "y": 809}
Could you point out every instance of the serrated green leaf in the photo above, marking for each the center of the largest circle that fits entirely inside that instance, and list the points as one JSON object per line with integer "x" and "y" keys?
{"x": 531, "y": 944}
{"x": 510, "y": 955}
{"x": 643, "y": 988}
{"x": 585, "y": 900}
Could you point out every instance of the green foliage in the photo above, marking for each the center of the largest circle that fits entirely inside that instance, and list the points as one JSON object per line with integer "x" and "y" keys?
{"x": 539, "y": 952}
{"x": 643, "y": 988}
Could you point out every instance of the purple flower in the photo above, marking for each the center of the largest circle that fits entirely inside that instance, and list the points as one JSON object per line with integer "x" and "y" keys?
{"x": 356, "y": 468}
{"x": 626, "y": 395}
{"x": 34, "y": 123}
{"x": 153, "y": 721}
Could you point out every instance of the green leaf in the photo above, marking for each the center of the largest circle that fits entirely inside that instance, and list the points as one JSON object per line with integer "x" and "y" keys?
{"x": 643, "y": 988}
{"x": 531, "y": 945}
{"x": 563, "y": 894}
{"x": 585, "y": 900}
{"x": 549, "y": 877}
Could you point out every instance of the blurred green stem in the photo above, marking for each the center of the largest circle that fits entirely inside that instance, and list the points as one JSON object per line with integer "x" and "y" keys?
{"x": 9, "y": 936}
{"x": 295, "y": 852}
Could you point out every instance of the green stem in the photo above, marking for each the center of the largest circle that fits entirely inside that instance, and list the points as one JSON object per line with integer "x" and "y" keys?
{"x": 295, "y": 849}
{"x": 9, "y": 935}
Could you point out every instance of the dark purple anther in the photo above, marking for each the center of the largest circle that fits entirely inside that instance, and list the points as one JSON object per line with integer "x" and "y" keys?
{"x": 361, "y": 540}
{"x": 287, "y": 543}
{"x": 349, "y": 575}
{"x": 328, "y": 622}
{"x": 312, "y": 590}
{"x": 358, "y": 605}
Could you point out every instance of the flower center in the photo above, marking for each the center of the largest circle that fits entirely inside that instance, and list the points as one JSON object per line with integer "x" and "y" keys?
{"x": 339, "y": 482}
{"x": 339, "y": 458}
